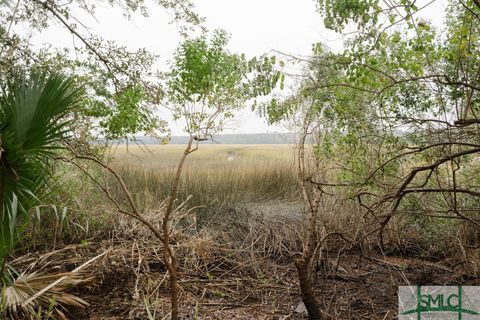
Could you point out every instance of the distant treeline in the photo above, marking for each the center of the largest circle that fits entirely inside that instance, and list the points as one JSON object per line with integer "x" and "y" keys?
{"x": 244, "y": 138}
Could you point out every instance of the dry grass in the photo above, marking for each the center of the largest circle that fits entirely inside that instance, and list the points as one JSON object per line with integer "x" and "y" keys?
{"x": 208, "y": 155}
{"x": 213, "y": 175}
{"x": 218, "y": 265}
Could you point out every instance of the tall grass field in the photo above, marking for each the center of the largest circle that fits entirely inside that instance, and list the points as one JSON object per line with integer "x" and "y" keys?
{"x": 213, "y": 175}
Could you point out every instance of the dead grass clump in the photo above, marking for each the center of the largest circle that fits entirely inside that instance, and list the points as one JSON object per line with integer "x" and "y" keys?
{"x": 218, "y": 262}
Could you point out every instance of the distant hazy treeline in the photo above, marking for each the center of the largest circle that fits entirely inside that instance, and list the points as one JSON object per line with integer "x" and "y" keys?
{"x": 247, "y": 138}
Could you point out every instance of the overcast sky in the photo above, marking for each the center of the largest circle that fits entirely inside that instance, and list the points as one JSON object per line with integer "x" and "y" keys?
{"x": 256, "y": 27}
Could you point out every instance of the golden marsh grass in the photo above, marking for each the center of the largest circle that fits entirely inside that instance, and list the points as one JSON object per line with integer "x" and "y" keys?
{"x": 213, "y": 174}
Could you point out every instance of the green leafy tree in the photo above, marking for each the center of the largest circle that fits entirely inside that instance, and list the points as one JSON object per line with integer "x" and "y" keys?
{"x": 425, "y": 83}
{"x": 331, "y": 119}
{"x": 206, "y": 84}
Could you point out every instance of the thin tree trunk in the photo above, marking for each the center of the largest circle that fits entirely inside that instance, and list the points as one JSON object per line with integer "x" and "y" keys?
{"x": 163, "y": 235}
{"x": 168, "y": 253}
{"x": 305, "y": 265}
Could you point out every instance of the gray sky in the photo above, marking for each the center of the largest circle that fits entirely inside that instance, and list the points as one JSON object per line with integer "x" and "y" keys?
{"x": 256, "y": 27}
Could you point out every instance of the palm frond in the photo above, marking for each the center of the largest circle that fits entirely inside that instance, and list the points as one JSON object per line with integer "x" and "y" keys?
{"x": 34, "y": 119}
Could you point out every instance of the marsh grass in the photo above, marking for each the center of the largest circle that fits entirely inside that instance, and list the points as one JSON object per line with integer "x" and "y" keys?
{"x": 214, "y": 175}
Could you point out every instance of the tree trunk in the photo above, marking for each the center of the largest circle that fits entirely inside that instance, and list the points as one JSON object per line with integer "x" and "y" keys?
{"x": 312, "y": 197}
{"x": 307, "y": 288}
{"x": 168, "y": 253}
{"x": 305, "y": 264}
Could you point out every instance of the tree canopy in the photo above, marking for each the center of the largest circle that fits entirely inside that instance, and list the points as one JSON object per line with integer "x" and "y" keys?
{"x": 396, "y": 112}
{"x": 207, "y": 83}
{"x": 123, "y": 89}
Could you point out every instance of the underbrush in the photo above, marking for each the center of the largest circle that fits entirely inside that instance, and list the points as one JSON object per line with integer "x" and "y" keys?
{"x": 214, "y": 199}
{"x": 226, "y": 246}
{"x": 218, "y": 264}
{"x": 238, "y": 265}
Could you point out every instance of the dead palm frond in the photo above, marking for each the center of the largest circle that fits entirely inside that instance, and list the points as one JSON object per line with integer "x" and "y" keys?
{"x": 44, "y": 296}
{"x": 54, "y": 300}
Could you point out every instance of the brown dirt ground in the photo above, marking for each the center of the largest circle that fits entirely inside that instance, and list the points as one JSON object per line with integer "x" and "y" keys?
{"x": 349, "y": 285}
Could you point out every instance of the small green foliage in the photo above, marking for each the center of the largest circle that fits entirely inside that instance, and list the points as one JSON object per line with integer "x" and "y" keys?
{"x": 129, "y": 114}
{"x": 338, "y": 13}
{"x": 207, "y": 83}
{"x": 263, "y": 278}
